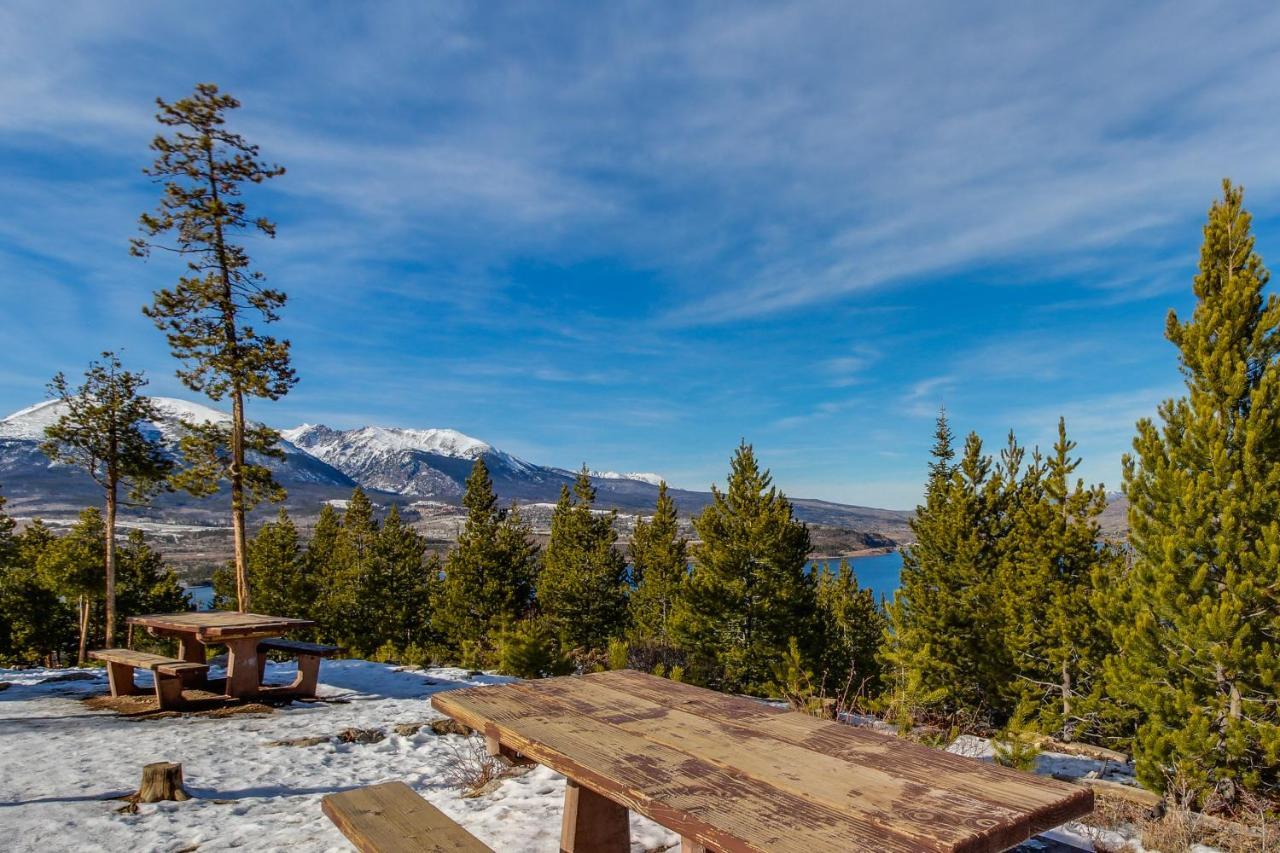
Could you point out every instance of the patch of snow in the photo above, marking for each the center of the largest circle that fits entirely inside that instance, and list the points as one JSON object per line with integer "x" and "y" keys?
{"x": 639, "y": 476}
{"x": 250, "y": 795}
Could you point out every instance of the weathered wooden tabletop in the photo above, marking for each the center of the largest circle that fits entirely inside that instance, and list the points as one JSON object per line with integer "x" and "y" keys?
{"x": 729, "y": 773}
{"x": 212, "y": 625}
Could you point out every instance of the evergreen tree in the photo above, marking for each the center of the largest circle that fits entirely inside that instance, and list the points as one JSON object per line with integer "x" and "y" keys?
{"x": 489, "y": 574}
{"x": 147, "y": 585}
{"x": 320, "y": 569}
{"x": 944, "y": 635}
{"x": 748, "y": 594}
{"x": 402, "y": 592}
{"x": 36, "y": 624}
{"x": 72, "y": 566}
{"x": 101, "y": 432}
{"x": 208, "y": 317}
{"x": 852, "y": 627}
{"x": 352, "y": 571}
{"x": 1199, "y": 610}
{"x": 659, "y": 570}
{"x": 583, "y": 586}
{"x": 1056, "y": 638}
{"x": 278, "y": 570}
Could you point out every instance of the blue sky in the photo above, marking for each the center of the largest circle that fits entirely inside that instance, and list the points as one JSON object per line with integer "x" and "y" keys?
{"x": 631, "y": 234}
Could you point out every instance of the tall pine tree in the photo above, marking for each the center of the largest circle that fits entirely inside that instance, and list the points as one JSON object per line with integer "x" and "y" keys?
{"x": 748, "y": 594}
{"x": 72, "y": 565}
{"x": 852, "y": 627}
{"x": 659, "y": 571}
{"x": 100, "y": 431}
{"x": 489, "y": 574}
{"x": 402, "y": 590}
{"x": 1051, "y": 558}
{"x": 583, "y": 586}
{"x": 352, "y": 570}
{"x": 1199, "y": 610}
{"x": 210, "y": 316}
{"x": 278, "y": 570}
{"x": 944, "y": 639}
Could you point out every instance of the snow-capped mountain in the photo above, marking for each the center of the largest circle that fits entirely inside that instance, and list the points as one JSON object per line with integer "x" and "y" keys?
{"x": 424, "y": 463}
{"x": 22, "y": 432}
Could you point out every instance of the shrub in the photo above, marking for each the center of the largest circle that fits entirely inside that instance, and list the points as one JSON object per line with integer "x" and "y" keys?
{"x": 618, "y": 654}
{"x": 529, "y": 649}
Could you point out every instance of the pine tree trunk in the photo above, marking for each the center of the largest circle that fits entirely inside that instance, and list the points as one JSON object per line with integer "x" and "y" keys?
{"x": 1066, "y": 702}
{"x": 236, "y": 474}
{"x": 237, "y": 500}
{"x": 84, "y": 630}
{"x": 111, "y": 566}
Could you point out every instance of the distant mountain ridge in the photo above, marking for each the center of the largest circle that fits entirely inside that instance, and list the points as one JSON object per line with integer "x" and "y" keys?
{"x": 396, "y": 465}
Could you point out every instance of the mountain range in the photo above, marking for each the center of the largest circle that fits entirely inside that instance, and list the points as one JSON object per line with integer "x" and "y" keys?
{"x": 422, "y": 470}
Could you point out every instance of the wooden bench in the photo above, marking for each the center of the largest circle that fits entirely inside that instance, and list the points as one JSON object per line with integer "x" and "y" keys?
{"x": 391, "y": 818}
{"x": 167, "y": 672}
{"x": 309, "y": 656}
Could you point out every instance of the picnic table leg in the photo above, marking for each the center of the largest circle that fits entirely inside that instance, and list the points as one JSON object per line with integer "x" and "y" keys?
{"x": 242, "y": 668}
{"x": 191, "y": 650}
{"x": 688, "y": 845}
{"x": 593, "y": 823}
{"x": 120, "y": 677}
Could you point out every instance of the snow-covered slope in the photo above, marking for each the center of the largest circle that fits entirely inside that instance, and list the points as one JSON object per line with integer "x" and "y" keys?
{"x": 639, "y": 476}
{"x": 22, "y": 432}
{"x": 417, "y": 462}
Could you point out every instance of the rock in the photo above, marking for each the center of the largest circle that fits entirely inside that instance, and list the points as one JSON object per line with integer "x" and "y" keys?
{"x": 361, "y": 735}
{"x": 5, "y": 685}
{"x": 446, "y": 726}
{"x": 408, "y": 729}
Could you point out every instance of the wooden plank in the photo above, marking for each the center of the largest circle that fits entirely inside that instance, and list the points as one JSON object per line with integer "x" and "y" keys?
{"x": 181, "y": 667}
{"x": 299, "y": 647}
{"x": 946, "y": 815}
{"x": 391, "y": 818}
{"x": 219, "y": 623}
{"x": 129, "y": 657}
{"x": 720, "y": 809}
{"x": 1047, "y": 802}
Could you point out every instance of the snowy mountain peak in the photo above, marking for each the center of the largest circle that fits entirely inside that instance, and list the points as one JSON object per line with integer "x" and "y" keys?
{"x": 322, "y": 441}
{"x": 29, "y": 424}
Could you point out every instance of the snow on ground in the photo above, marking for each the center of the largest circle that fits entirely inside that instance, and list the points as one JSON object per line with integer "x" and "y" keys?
{"x": 59, "y": 762}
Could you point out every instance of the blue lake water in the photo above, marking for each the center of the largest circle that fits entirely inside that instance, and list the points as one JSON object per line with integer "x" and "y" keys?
{"x": 880, "y": 572}
{"x": 201, "y": 596}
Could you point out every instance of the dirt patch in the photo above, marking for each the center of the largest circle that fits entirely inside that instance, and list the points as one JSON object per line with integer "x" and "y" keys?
{"x": 362, "y": 735}
{"x": 447, "y": 726}
{"x": 199, "y": 704}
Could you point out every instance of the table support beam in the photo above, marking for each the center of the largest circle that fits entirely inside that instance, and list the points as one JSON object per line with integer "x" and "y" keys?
{"x": 688, "y": 845}
{"x": 593, "y": 823}
{"x": 191, "y": 650}
{"x": 242, "y": 667}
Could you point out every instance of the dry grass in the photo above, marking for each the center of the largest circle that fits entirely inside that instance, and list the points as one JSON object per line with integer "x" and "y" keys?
{"x": 1254, "y": 830}
{"x": 472, "y": 768}
{"x": 199, "y": 703}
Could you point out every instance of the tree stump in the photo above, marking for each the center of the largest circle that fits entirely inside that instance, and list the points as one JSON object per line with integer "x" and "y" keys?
{"x": 161, "y": 781}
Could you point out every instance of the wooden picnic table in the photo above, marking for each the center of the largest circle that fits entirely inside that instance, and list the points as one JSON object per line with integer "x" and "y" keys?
{"x": 732, "y": 774}
{"x": 239, "y": 632}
